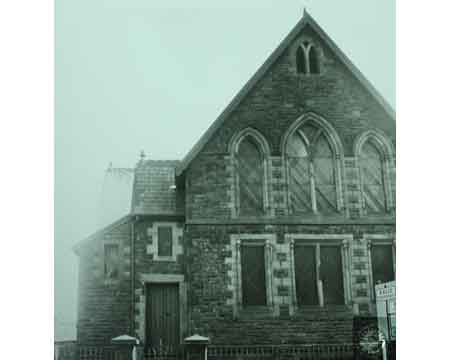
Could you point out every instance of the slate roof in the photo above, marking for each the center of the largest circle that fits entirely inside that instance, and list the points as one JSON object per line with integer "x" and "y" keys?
{"x": 304, "y": 21}
{"x": 154, "y": 191}
{"x": 148, "y": 189}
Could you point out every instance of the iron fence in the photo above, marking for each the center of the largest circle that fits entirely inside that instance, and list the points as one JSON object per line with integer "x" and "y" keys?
{"x": 343, "y": 351}
{"x": 160, "y": 353}
{"x": 106, "y": 352}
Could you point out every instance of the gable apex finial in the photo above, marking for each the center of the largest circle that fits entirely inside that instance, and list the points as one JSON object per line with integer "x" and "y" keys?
{"x": 305, "y": 12}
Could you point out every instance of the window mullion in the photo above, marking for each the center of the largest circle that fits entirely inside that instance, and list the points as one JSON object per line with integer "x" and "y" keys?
{"x": 318, "y": 277}
{"x": 313, "y": 186}
{"x": 306, "y": 54}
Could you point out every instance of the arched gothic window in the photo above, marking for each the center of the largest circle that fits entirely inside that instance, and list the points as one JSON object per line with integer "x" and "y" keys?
{"x": 307, "y": 59}
{"x": 373, "y": 185}
{"x": 250, "y": 177}
{"x": 311, "y": 166}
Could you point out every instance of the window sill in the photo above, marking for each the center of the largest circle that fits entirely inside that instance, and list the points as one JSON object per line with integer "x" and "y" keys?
{"x": 335, "y": 311}
{"x": 165, "y": 258}
{"x": 255, "y": 312}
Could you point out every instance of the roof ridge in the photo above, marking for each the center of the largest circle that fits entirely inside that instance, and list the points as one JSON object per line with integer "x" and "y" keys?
{"x": 161, "y": 160}
{"x": 151, "y": 162}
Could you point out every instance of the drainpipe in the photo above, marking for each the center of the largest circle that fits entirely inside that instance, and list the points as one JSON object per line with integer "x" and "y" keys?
{"x": 132, "y": 274}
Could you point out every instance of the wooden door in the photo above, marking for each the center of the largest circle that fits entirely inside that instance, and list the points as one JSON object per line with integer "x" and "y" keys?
{"x": 163, "y": 317}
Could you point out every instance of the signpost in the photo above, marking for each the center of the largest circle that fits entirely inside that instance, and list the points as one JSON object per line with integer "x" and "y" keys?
{"x": 385, "y": 297}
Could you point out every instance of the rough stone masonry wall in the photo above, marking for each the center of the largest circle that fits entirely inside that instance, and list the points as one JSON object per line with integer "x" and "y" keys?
{"x": 208, "y": 186}
{"x": 276, "y": 101}
{"x": 104, "y": 304}
{"x": 211, "y": 297}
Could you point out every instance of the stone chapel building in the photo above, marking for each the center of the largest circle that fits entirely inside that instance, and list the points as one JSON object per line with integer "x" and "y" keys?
{"x": 273, "y": 229}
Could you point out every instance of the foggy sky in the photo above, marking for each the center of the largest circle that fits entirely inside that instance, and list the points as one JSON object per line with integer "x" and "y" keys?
{"x": 153, "y": 75}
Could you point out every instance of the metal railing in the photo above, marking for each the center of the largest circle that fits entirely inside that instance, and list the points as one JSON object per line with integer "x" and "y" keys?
{"x": 160, "y": 353}
{"x": 105, "y": 352}
{"x": 65, "y": 350}
{"x": 120, "y": 352}
{"x": 343, "y": 351}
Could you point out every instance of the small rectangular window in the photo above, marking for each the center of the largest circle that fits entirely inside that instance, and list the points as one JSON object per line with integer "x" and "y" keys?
{"x": 253, "y": 267}
{"x": 111, "y": 261}
{"x": 165, "y": 241}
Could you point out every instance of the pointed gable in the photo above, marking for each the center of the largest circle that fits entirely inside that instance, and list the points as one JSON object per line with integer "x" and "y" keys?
{"x": 277, "y": 93}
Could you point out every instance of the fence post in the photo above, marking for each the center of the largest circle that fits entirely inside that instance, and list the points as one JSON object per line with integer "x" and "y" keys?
{"x": 196, "y": 347}
{"x": 138, "y": 352}
{"x": 126, "y": 344}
